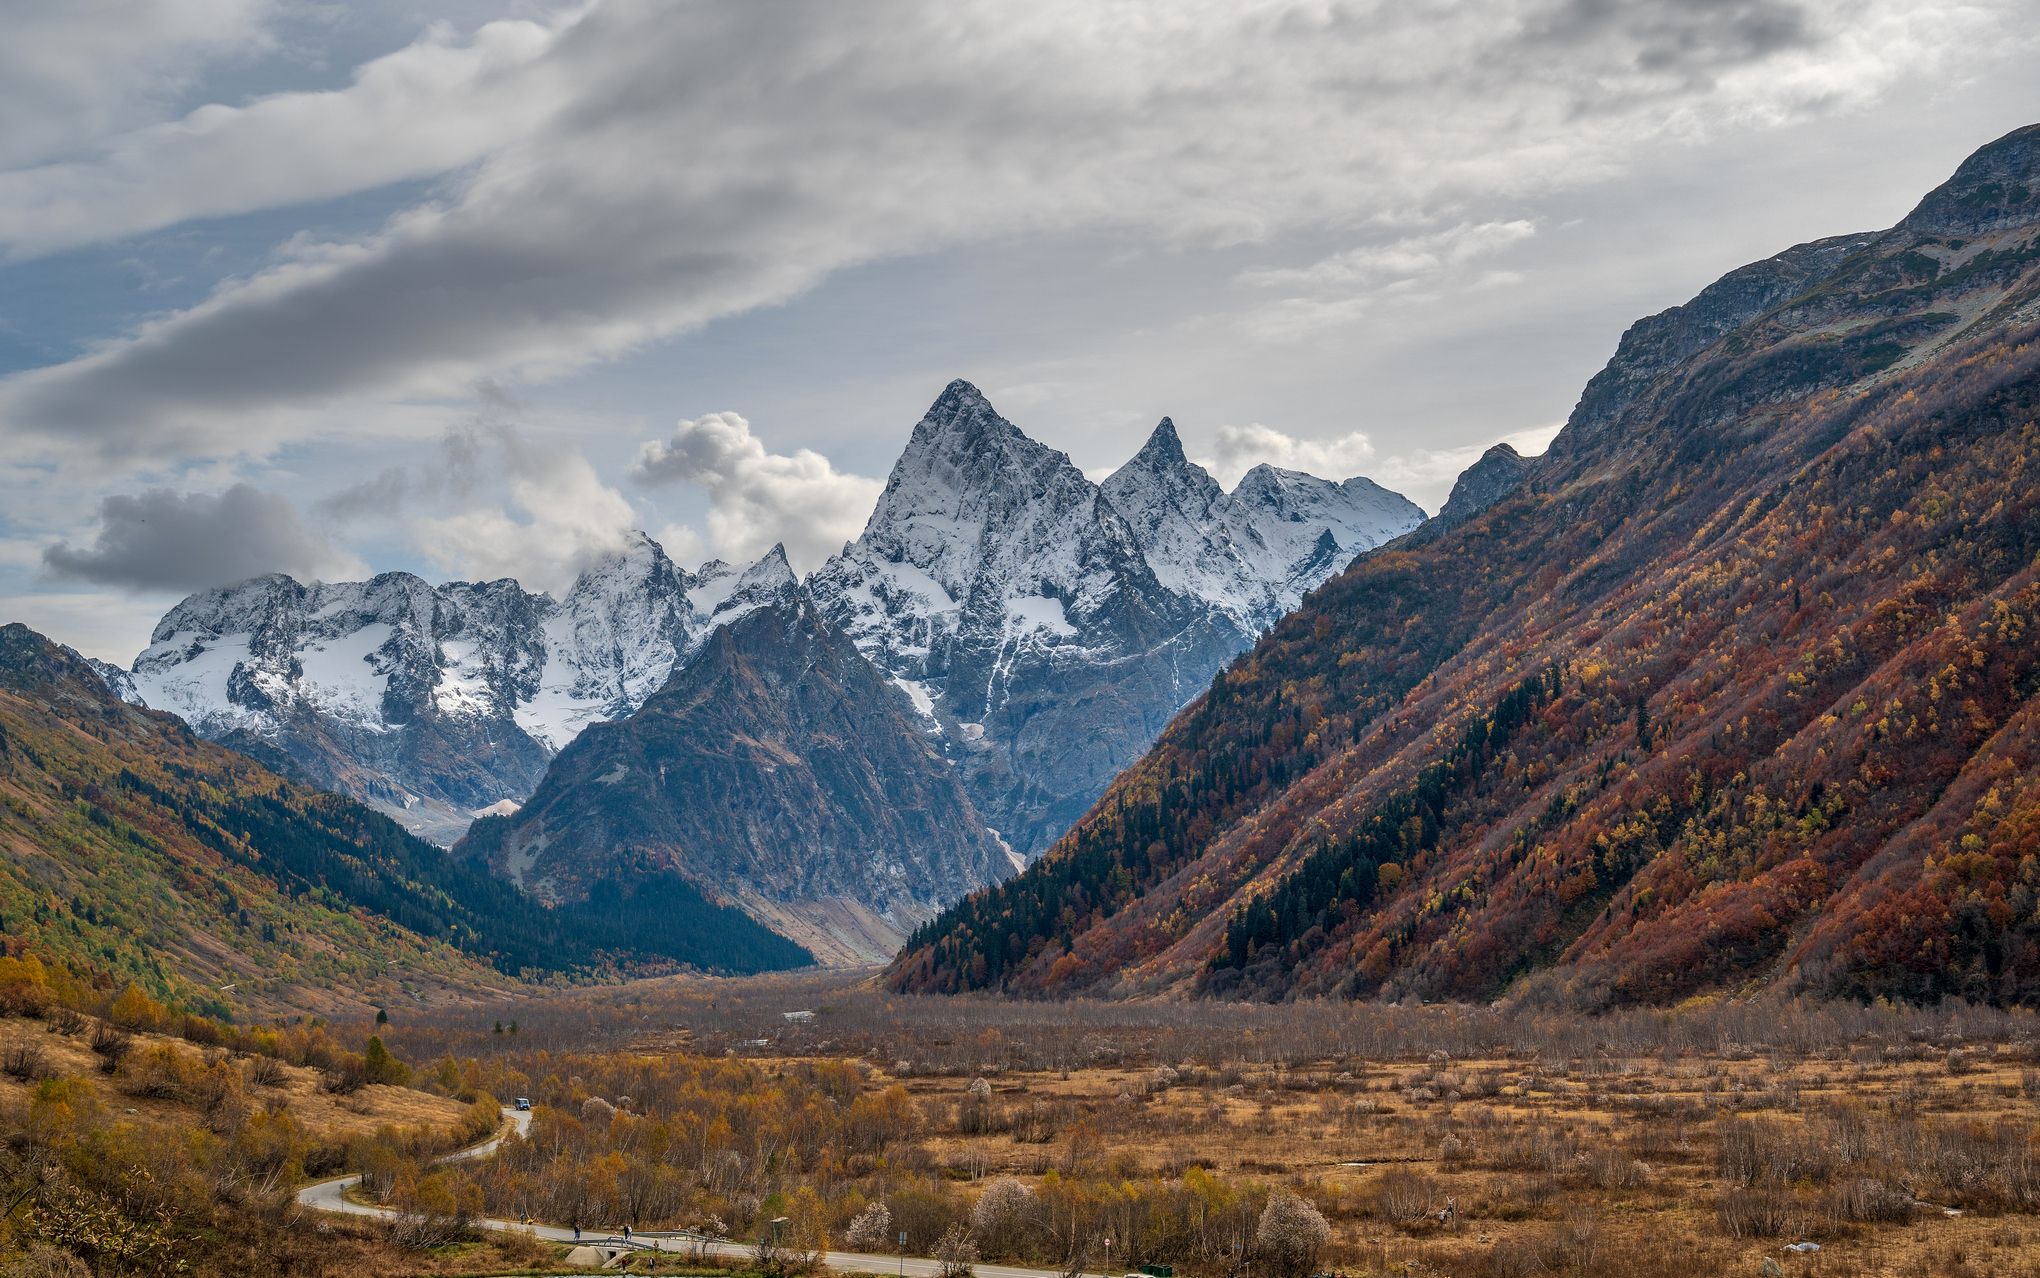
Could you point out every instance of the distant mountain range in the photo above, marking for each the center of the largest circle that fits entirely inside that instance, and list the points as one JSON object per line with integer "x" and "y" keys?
{"x": 1737, "y": 684}
{"x": 969, "y": 674}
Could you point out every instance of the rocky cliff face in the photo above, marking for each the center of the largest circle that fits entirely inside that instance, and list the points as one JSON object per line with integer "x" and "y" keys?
{"x": 432, "y": 702}
{"x": 1048, "y": 627}
{"x": 778, "y": 771}
{"x": 1738, "y": 685}
{"x": 1496, "y": 475}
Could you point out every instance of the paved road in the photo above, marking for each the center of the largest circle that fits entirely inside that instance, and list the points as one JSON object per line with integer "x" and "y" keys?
{"x": 331, "y": 1195}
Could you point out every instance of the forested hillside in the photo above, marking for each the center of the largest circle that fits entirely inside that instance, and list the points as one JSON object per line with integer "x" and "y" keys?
{"x": 1737, "y": 685}
{"x": 132, "y": 847}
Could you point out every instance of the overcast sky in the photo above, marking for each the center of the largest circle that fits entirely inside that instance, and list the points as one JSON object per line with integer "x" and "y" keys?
{"x": 469, "y": 288}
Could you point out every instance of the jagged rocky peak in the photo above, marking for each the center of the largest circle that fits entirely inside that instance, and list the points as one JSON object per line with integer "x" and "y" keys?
{"x": 241, "y": 608}
{"x": 1496, "y": 475}
{"x": 969, "y": 490}
{"x": 1657, "y": 343}
{"x": 1045, "y": 626}
{"x": 1159, "y": 480}
{"x": 1291, "y": 511}
{"x": 1996, "y": 189}
{"x": 727, "y": 592}
{"x": 118, "y": 681}
{"x": 29, "y": 661}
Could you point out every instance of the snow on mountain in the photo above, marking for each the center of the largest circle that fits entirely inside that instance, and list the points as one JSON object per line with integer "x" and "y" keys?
{"x": 1255, "y": 552}
{"x": 434, "y": 702}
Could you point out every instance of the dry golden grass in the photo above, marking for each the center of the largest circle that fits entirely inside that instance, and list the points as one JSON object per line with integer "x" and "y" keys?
{"x": 327, "y": 1118}
{"x": 1602, "y": 1166}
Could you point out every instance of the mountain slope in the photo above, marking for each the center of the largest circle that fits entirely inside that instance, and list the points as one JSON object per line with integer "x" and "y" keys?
{"x": 134, "y": 846}
{"x": 777, "y": 770}
{"x": 1736, "y": 684}
{"x": 1048, "y": 635}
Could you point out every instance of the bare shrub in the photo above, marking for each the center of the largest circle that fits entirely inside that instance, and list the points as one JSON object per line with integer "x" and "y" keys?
{"x": 956, "y": 1253}
{"x": 1290, "y": 1234}
{"x": 161, "y": 1072}
{"x": 345, "y": 1076}
{"x": 112, "y": 1044}
{"x": 1607, "y": 1167}
{"x": 1578, "y": 1242}
{"x": 44, "y": 1261}
{"x": 25, "y": 1063}
{"x": 1754, "y": 1213}
{"x": 267, "y": 1071}
{"x": 1766, "y": 1152}
{"x": 870, "y": 1228}
{"x": 1868, "y": 1201}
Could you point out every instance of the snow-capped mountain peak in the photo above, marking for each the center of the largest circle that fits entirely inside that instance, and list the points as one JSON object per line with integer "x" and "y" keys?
{"x": 1253, "y": 553}
{"x": 724, "y": 592}
{"x": 1049, "y": 625}
{"x": 969, "y": 493}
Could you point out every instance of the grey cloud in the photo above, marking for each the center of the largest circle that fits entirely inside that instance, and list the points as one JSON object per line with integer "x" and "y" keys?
{"x": 1697, "y": 37}
{"x": 165, "y": 540}
{"x": 1237, "y": 449}
{"x": 707, "y": 158}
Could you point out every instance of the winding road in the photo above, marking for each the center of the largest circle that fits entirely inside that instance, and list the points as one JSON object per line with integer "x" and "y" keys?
{"x": 331, "y": 1196}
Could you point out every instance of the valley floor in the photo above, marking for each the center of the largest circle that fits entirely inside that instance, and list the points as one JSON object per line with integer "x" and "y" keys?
{"x": 1758, "y": 1137}
{"x": 1446, "y": 1140}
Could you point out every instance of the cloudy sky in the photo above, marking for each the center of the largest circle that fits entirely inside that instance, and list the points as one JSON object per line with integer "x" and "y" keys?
{"x": 467, "y": 288}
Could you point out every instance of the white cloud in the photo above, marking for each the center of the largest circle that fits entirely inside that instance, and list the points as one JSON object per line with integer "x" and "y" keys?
{"x": 1405, "y": 258}
{"x": 110, "y": 626}
{"x": 557, "y": 516}
{"x": 72, "y": 72}
{"x": 1339, "y": 290}
{"x": 681, "y": 544}
{"x": 757, "y": 497}
{"x": 1238, "y": 449}
{"x": 687, "y": 161}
